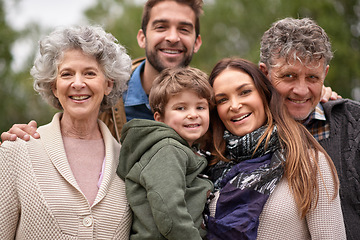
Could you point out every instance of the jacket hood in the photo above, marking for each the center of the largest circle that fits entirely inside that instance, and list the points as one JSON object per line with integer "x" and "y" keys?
{"x": 137, "y": 137}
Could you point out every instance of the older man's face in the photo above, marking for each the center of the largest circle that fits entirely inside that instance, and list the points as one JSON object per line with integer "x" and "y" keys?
{"x": 300, "y": 84}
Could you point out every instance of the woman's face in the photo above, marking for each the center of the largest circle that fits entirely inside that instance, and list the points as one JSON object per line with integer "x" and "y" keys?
{"x": 80, "y": 85}
{"x": 238, "y": 102}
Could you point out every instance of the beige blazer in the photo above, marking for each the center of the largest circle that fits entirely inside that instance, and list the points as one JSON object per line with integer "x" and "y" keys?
{"x": 40, "y": 198}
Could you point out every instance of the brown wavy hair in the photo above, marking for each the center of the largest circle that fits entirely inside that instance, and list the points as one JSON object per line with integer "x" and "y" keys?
{"x": 301, "y": 167}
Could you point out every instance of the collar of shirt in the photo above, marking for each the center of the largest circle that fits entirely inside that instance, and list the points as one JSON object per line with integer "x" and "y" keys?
{"x": 135, "y": 94}
{"x": 317, "y": 114}
{"x": 317, "y": 124}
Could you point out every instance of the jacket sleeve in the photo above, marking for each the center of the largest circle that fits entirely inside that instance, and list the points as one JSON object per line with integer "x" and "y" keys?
{"x": 326, "y": 220}
{"x": 9, "y": 210}
{"x": 165, "y": 183}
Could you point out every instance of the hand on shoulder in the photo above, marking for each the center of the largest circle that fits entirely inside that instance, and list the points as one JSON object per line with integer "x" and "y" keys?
{"x": 23, "y": 131}
{"x": 328, "y": 94}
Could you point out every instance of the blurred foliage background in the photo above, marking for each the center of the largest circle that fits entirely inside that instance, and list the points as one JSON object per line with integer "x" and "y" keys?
{"x": 228, "y": 28}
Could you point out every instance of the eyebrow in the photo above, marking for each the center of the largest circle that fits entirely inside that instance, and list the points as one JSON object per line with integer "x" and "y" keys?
{"x": 69, "y": 68}
{"x": 237, "y": 89}
{"x": 166, "y": 21}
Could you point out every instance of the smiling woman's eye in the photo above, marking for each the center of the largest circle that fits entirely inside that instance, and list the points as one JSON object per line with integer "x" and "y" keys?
{"x": 65, "y": 74}
{"x": 246, "y": 91}
{"x": 220, "y": 100}
{"x": 90, "y": 73}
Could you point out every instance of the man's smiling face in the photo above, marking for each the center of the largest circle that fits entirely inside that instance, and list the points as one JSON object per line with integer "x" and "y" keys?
{"x": 170, "y": 39}
{"x": 300, "y": 83}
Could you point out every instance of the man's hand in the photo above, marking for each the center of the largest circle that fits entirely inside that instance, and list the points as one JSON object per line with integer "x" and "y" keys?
{"x": 328, "y": 94}
{"x": 23, "y": 131}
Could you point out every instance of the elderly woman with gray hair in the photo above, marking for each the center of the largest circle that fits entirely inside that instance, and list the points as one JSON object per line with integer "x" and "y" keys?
{"x": 64, "y": 185}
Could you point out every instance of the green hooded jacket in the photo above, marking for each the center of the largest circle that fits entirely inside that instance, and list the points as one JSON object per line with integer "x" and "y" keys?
{"x": 162, "y": 184}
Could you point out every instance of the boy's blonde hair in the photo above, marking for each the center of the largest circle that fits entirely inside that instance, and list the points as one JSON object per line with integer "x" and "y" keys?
{"x": 172, "y": 81}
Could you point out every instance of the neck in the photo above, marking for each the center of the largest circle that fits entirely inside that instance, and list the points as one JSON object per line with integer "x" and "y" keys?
{"x": 148, "y": 77}
{"x": 87, "y": 128}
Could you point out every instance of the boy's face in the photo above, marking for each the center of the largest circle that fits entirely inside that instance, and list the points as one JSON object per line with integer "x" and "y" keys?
{"x": 187, "y": 114}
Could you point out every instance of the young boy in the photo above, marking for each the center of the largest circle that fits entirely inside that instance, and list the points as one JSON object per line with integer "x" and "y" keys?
{"x": 158, "y": 162}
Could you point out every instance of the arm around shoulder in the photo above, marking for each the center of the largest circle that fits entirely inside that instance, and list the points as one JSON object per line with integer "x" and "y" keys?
{"x": 23, "y": 131}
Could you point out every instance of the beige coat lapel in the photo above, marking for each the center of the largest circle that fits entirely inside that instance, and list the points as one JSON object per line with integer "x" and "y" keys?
{"x": 112, "y": 151}
{"x": 54, "y": 146}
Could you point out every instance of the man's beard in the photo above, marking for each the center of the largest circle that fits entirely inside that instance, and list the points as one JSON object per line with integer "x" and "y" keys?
{"x": 159, "y": 66}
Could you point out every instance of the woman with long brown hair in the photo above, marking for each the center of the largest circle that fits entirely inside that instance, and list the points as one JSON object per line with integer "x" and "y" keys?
{"x": 272, "y": 178}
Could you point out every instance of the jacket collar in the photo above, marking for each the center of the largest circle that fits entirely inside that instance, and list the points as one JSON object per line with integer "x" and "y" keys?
{"x": 53, "y": 143}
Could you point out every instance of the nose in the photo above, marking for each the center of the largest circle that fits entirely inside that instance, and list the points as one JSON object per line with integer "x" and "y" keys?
{"x": 78, "y": 82}
{"x": 235, "y": 105}
{"x": 301, "y": 87}
{"x": 192, "y": 115}
{"x": 172, "y": 35}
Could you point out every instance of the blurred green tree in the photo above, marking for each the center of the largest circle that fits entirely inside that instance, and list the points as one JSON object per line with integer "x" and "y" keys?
{"x": 18, "y": 101}
{"x": 235, "y": 27}
{"x": 228, "y": 28}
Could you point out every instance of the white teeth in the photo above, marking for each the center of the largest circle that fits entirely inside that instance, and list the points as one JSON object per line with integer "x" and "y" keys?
{"x": 171, "y": 51}
{"x": 79, "y": 97}
{"x": 240, "y": 118}
{"x": 298, "y": 101}
{"x": 192, "y": 125}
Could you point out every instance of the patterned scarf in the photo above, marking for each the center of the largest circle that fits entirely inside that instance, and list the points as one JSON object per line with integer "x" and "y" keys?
{"x": 242, "y": 148}
{"x": 245, "y": 185}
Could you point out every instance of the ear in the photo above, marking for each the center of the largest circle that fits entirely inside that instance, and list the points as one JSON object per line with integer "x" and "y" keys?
{"x": 264, "y": 69}
{"x": 327, "y": 70}
{"x": 54, "y": 89}
{"x": 198, "y": 43}
{"x": 110, "y": 85}
{"x": 141, "y": 38}
{"x": 157, "y": 117}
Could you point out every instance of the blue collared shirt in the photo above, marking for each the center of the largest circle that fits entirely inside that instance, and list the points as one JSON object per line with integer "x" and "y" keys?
{"x": 136, "y": 101}
{"x": 317, "y": 125}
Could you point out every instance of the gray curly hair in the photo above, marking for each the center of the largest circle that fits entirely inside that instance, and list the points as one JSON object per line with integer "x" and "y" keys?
{"x": 91, "y": 40}
{"x": 295, "y": 39}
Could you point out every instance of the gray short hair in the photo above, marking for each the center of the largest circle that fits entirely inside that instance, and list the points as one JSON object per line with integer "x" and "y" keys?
{"x": 91, "y": 40}
{"x": 300, "y": 39}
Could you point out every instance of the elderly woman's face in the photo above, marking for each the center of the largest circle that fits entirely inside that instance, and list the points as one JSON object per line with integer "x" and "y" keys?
{"x": 80, "y": 85}
{"x": 238, "y": 102}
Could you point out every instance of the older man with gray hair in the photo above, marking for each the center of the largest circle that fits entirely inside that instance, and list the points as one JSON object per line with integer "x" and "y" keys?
{"x": 295, "y": 54}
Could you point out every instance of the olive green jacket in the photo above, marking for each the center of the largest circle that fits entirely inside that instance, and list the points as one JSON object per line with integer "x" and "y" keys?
{"x": 162, "y": 184}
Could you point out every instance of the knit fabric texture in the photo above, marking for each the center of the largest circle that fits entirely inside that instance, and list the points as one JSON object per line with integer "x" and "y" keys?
{"x": 280, "y": 218}
{"x": 40, "y": 198}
